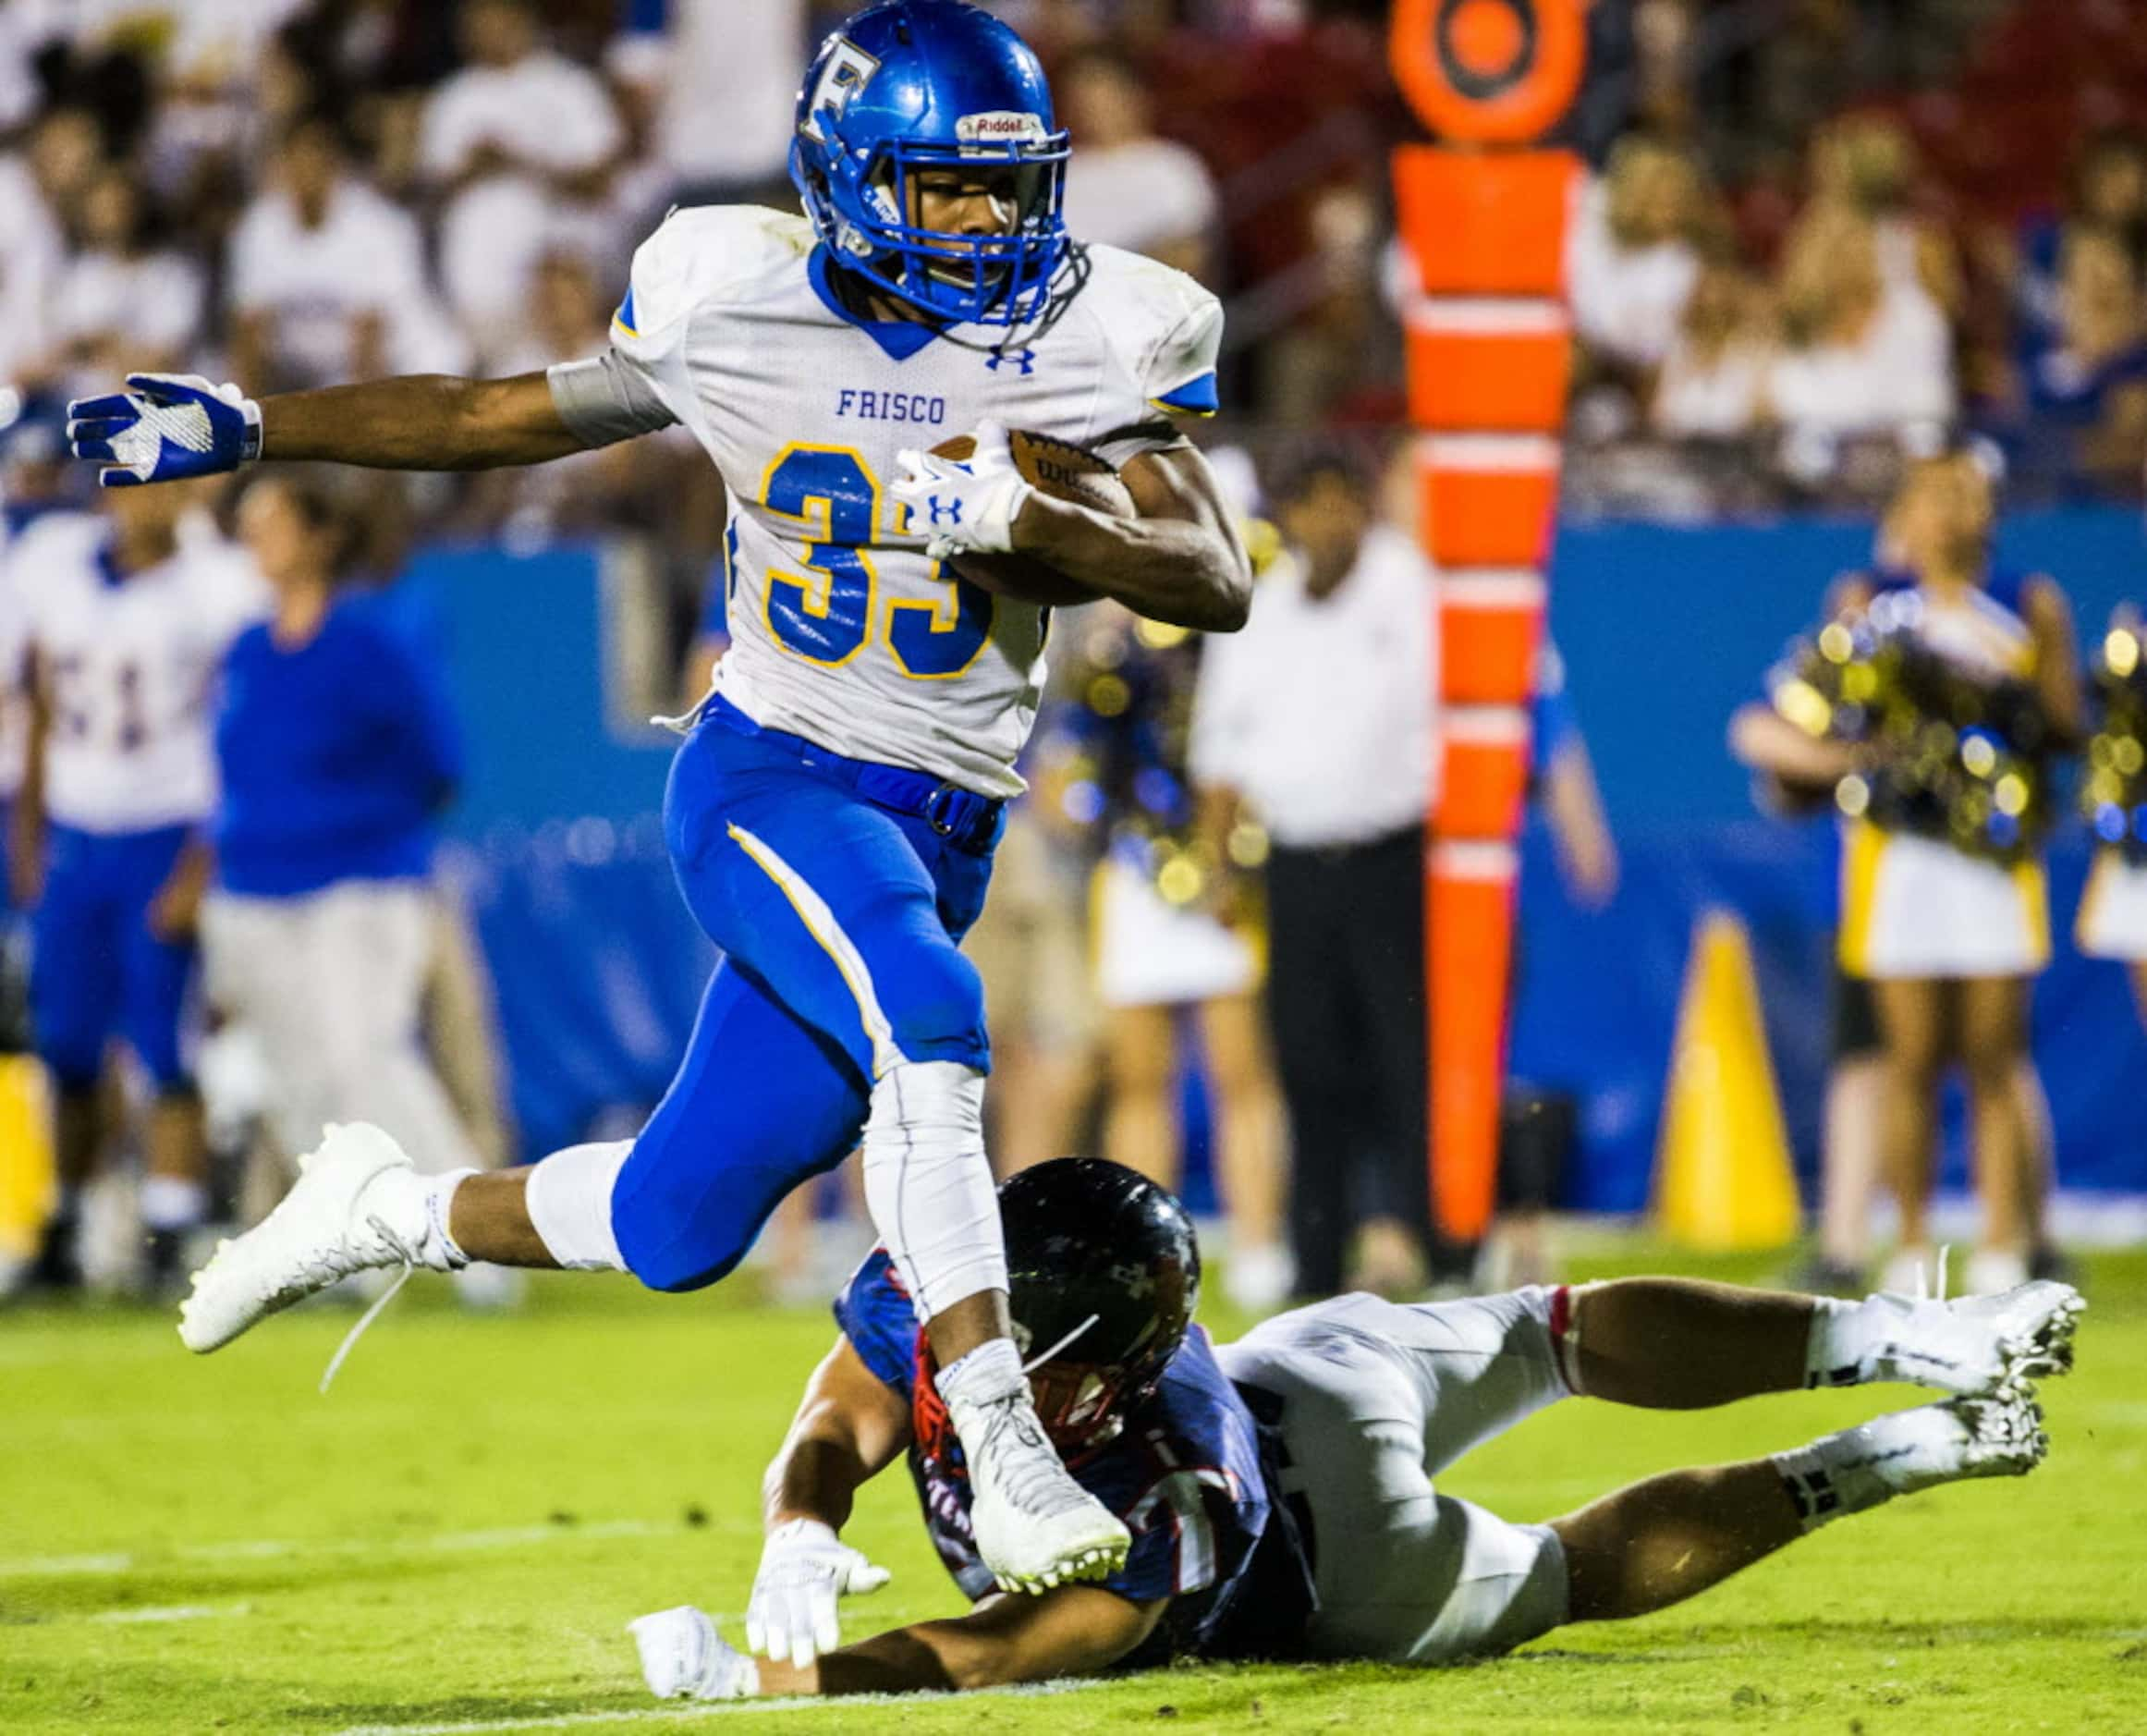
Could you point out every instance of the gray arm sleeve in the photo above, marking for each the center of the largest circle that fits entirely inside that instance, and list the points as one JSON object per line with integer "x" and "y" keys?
{"x": 604, "y": 400}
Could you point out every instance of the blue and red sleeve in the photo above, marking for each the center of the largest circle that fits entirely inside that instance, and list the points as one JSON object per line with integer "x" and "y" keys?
{"x": 875, "y": 1315}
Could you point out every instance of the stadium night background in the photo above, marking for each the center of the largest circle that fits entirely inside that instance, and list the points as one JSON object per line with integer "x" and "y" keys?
{"x": 1497, "y": 640}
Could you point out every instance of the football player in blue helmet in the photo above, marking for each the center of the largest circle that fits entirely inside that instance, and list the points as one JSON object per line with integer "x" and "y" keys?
{"x": 1281, "y": 1489}
{"x": 838, "y": 798}
{"x": 918, "y": 95}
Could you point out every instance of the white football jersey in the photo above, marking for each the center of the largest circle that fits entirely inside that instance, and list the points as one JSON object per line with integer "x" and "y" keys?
{"x": 130, "y": 665}
{"x": 841, "y": 631}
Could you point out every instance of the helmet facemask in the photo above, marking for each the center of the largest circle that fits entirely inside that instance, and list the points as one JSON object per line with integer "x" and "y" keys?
{"x": 1003, "y": 279}
{"x": 1082, "y": 1405}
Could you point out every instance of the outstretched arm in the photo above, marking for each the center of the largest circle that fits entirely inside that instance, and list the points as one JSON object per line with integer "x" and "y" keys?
{"x": 1074, "y": 1631}
{"x": 849, "y": 1428}
{"x": 426, "y": 422}
{"x": 166, "y": 427}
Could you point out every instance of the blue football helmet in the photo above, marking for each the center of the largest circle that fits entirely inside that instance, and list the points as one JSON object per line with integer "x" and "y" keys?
{"x": 920, "y": 84}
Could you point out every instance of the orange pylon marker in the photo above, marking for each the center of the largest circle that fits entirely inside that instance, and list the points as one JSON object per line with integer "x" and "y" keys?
{"x": 1482, "y": 217}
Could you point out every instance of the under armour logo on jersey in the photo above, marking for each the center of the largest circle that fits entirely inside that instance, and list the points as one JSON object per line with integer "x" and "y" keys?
{"x": 951, "y": 511}
{"x": 1024, "y": 359}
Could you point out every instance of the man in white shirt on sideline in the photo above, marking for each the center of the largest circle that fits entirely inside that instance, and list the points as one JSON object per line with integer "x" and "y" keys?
{"x": 722, "y": 80}
{"x": 1318, "y": 719}
{"x": 521, "y": 144}
{"x": 33, "y": 254}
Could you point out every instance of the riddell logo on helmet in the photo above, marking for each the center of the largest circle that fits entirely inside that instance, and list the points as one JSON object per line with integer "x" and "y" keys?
{"x": 999, "y": 126}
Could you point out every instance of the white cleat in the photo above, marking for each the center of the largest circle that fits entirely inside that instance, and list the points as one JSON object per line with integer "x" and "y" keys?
{"x": 1035, "y": 1526}
{"x": 1973, "y": 1344}
{"x": 1998, "y": 1436}
{"x": 357, "y": 1205}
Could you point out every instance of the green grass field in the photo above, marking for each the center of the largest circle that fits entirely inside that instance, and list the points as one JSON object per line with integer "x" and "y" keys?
{"x": 453, "y": 1538}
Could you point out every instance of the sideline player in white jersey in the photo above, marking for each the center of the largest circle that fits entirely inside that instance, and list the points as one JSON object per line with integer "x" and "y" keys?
{"x": 33, "y": 480}
{"x": 126, "y": 614}
{"x": 833, "y": 813}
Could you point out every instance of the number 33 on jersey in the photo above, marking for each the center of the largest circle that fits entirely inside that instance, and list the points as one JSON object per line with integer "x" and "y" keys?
{"x": 843, "y": 630}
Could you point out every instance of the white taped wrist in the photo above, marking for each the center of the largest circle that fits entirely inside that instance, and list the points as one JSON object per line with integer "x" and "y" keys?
{"x": 439, "y": 1209}
{"x": 929, "y": 1184}
{"x": 568, "y": 1197}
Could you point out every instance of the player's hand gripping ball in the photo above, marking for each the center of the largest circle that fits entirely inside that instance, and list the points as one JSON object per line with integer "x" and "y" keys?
{"x": 966, "y": 493}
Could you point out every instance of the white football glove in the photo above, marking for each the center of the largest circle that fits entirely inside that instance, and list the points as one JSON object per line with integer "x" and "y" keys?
{"x": 683, "y": 1657}
{"x": 965, "y": 507}
{"x": 804, "y": 1569}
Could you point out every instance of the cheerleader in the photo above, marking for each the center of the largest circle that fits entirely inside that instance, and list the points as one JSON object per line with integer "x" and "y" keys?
{"x": 1944, "y": 910}
{"x": 1175, "y": 928}
{"x": 2113, "y": 912}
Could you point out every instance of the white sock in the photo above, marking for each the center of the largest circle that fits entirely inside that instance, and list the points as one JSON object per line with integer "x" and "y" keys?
{"x": 988, "y": 1373}
{"x": 1847, "y": 1336}
{"x": 569, "y": 1196}
{"x": 1871, "y": 1463}
{"x": 929, "y": 1184}
{"x": 173, "y": 1202}
{"x": 1837, "y": 1475}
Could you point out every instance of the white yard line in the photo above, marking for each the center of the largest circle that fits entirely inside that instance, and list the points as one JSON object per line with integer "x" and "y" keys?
{"x": 280, "y": 1550}
{"x": 672, "y": 1714}
{"x": 173, "y": 1612}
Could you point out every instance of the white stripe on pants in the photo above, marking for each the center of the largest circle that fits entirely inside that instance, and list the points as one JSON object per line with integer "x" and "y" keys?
{"x": 331, "y": 985}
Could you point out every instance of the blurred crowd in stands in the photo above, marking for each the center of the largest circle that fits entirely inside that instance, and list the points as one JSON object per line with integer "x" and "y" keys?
{"x": 1813, "y": 229}
{"x": 1814, "y": 237}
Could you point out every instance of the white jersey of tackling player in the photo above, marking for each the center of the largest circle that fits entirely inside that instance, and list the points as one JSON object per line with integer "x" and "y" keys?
{"x": 130, "y": 665}
{"x": 841, "y": 631}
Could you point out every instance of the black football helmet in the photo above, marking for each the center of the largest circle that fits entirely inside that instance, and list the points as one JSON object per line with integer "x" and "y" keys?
{"x": 1106, "y": 1275}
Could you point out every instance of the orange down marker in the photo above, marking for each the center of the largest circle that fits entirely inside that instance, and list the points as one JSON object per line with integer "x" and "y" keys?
{"x": 1490, "y": 353}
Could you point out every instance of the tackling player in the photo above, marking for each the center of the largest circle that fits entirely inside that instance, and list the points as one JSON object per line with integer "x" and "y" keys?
{"x": 833, "y": 813}
{"x": 1280, "y": 1490}
{"x": 126, "y": 614}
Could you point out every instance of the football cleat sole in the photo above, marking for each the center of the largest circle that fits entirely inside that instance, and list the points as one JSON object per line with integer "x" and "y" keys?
{"x": 1084, "y": 1569}
{"x": 2041, "y": 1347}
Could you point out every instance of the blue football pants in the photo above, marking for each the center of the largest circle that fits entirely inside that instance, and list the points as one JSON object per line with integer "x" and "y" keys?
{"x": 839, "y": 921}
{"x": 96, "y": 973}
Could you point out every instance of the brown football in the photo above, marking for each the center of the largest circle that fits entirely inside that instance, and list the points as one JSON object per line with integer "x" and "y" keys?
{"x": 1065, "y": 472}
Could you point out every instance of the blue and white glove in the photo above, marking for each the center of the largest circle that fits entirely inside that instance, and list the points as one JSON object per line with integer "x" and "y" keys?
{"x": 168, "y": 427}
{"x": 683, "y": 1657}
{"x": 804, "y": 1569}
{"x": 965, "y": 505}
